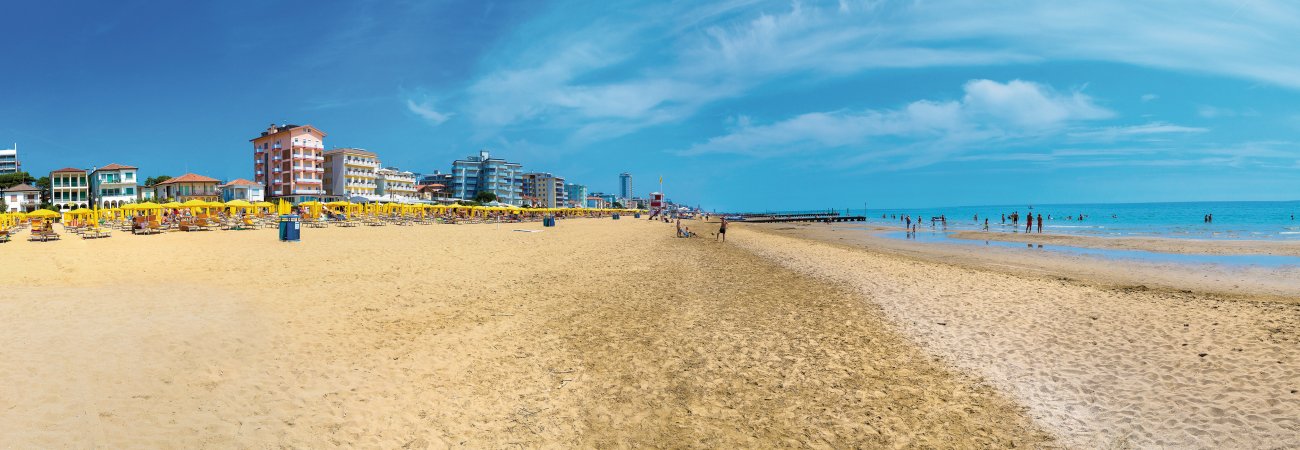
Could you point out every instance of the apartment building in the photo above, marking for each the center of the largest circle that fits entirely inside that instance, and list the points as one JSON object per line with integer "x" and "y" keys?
{"x": 9, "y": 160}
{"x": 484, "y": 173}
{"x": 393, "y": 183}
{"x": 288, "y": 161}
{"x": 350, "y": 172}
{"x": 69, "y": 189}
{"x": 543, "y": 189}
{"x": 113, "y": 185}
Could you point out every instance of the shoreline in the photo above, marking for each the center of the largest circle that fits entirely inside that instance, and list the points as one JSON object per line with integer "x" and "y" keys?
{"x": 1244, "y": 283}
{"x": 1150, "y": 244}
{"x": 1100, "y": 363}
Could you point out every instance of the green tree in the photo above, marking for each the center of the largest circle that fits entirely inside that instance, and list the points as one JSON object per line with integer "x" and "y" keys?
{"x": 13, "y": 179}
{"x": 485, "y": 197}
{"x": 617, "y": 205}
{"x": 155, "y": 180}
{"x": 44, "y": 184}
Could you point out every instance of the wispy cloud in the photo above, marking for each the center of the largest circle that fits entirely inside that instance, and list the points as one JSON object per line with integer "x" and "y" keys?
{"x": 989, "y": 110}
{"x": 611, "y": 77}
{"x": 426, "y": 111}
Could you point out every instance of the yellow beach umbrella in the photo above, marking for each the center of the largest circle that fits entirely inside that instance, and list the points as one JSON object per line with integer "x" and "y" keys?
{"x": 172, "y": 205}
{"x": 43, "y": 214}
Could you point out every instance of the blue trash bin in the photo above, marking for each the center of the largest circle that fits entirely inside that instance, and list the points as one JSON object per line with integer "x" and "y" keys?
{"x": 615, "y": 216}
{"x": 636, "y": 216}
{"x": 290, "y": 228}
{"x": 548, "y": 221}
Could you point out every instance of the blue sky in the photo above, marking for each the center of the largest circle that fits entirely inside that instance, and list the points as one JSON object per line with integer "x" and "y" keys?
{"x": 738, "y": 104}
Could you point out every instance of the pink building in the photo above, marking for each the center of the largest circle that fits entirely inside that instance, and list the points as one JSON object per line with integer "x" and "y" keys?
{"x": 289, "y": 161}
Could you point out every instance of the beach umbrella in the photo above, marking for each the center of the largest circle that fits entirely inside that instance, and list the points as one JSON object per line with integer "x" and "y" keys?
{"x": 171, "y": 205}
{"x": 43, "y": 214}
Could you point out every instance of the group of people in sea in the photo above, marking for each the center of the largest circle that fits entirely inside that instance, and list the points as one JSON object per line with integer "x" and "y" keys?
{"x": 1032, "y": 222}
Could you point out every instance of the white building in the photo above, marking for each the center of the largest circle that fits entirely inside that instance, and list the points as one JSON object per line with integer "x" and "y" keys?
{"x": 393, "y": 183}
{"x": 113, "y": 185}
{"x": 22, "y": 198}
{"x": 69, "y": 189}
{"x": 9, "y": 160}
{"x": 241, "y": 189}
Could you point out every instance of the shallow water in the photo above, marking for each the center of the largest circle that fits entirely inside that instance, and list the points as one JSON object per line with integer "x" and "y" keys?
{"x": 1232, "y": 220}
{"x": 1267, "y": 261}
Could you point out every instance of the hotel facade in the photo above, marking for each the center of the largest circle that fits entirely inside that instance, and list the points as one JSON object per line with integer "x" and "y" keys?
{"x": 113, "y": 185}
{"x": 543, "y": 189}
{"x": 9, "y": 160}
{"x": 394, "y": 183}
{"x": 288, "y": 161}
{"x": 69, "y": 189}
{"x": 350, "y": 172}
{"x": 483, "y": 173}
{"x": 187, "y": 187}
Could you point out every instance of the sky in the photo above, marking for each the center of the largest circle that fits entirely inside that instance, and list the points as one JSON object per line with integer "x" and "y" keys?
{"x": 739, "y": 105}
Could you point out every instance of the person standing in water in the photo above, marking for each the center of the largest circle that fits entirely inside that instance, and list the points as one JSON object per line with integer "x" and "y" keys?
{"x": 1029, "y": 223}
{"x": 1040, "y": 222}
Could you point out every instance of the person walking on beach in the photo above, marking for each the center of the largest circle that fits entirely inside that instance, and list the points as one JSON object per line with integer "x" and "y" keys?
{"x": 986, "y": 224}
{"x": 1040, "y": 222}
{"x": 722, "y": 230}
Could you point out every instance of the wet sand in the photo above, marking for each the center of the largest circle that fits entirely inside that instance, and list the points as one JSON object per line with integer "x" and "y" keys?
{"x": 1099, "y": 360}
{"x": 1164, "y": 245}
{"x": 596, "y": 333}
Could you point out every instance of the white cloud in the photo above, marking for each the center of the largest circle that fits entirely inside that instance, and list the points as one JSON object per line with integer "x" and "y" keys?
{"x": 1211, "y": 112}
{"x": 609, "y": 77}
{"x": 989, "y": 110}
{"x": 1154, "y": 128}
{"x": 426, "y": 111}
{"x": 1149, "y": 98}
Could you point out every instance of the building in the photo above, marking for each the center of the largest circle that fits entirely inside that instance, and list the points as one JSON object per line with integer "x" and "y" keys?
{"x": 437, "y": 177}
{"x": 113, "y": 185}
{"x": 9, "y": 160}
{"x": 21, "y": 198}
{"x": 146, "y": 193}
{"x": 483, "y": 173}
{"x": 544, "y": 190}
{"x": 609, "y": 199}
{"x": 576, "y": 195}
{"x": 393, "y": 183}
{"x": 69, "y": 189}
{"x": 187, "y": 187}
{"x": 288, "y": 162}
{"x": 432, "y": 192}
{"x": 242, "y": 189}
{"x": 625, "y": 185}
{"x": 594, "y": 201}
{"x": 350, "y": 172}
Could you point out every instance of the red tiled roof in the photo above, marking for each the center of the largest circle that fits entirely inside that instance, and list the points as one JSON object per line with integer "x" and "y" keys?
{"x": 191, "y": 178}
{"x": 68, "y": 169}
{"x": 241, "y": 182}
{"x": 115, "y": 166}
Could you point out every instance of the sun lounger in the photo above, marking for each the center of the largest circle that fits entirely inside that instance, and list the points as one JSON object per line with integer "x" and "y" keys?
{"x": 4, "y": 236}
{"x": 95, "y": 232}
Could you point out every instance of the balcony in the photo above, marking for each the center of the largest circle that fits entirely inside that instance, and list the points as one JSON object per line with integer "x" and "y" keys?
{"x": 307, "y": 180}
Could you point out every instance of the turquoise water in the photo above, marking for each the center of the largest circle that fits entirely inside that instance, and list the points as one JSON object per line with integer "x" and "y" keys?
{"x": 1232, "y": 220}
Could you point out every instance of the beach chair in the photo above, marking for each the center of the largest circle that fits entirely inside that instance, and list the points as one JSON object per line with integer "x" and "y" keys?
{"x": 94, "y": 232}
{"x": 45, "y": 232}
{"x": 4, "y": 236}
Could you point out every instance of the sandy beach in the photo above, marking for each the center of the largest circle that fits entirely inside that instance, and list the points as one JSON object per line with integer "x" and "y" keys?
{"x": 596, "y": 333}
{"x": 1100, "y": 359}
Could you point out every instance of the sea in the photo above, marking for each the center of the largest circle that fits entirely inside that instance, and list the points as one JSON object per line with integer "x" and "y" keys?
{"x": 1232, "y": 220}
